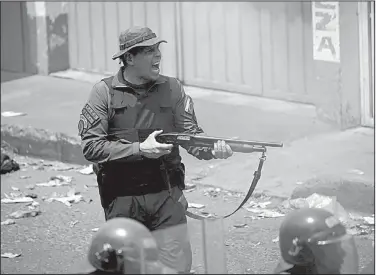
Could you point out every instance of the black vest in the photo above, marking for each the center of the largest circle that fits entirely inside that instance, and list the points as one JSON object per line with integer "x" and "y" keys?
{"x": 134, "y": 121}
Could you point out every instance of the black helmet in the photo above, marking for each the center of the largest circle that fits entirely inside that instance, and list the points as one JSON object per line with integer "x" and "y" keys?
{"x": 123, "y": 245}
{"x": 315, "y": 239}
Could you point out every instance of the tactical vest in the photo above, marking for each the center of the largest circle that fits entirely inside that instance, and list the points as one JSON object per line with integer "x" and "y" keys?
{"x": 134, "y": 121}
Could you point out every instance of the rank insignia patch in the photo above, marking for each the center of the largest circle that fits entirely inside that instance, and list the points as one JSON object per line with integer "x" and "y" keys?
{"x": 188, "y": 105}
{"x": 88, "y": 118}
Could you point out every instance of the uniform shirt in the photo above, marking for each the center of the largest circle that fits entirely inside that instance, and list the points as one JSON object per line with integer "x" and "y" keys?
{"x": 94, "y": 121}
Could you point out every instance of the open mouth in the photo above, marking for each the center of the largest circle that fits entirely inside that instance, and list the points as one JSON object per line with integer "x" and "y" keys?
{"x": 155, "y": 66}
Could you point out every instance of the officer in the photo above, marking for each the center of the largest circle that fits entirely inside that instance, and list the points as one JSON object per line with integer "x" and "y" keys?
{"x": 314, "y": 241}
{"x": 138, "y": 177}
{"x": 125, "y": 246}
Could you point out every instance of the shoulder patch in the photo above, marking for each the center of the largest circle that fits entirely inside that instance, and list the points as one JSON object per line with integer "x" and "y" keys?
{"x": 188, "y": 105}
{"x": 88, "y": 119}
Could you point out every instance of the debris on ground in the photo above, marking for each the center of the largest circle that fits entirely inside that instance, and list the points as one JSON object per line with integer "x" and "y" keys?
{"x": 8, "y": 165}
{"x": 25, "y": 177}
{"x": 30, "y": 186}
{"x": 15, "y": 188}
{"x": 189, "y": 187}
{"x": 72, "y": 197}
{"x": 87, "y": 170}
{"x": 195, "y": 205}
{"x": 71, "y": 224}
{"x": 360, "y": 230}
{"x": 95, "y": 229}
{"x": 8, "y": 222}
{"x": 319, "y": 201}
{"x": 252, "y": 217}
{"x": 259, "y": 204}
{"x": 61, "y": 167}
{"x": 16, "y": 200}
{"x": 255, "y": 244}
{"x": 12, "y": 114}
{"x": 212, "y": 192}
{"x": 207, "y": 214}
{"x": 265, "y": 213}
{"x": 31, "y": 195}
{"x": 25, "y": 214}
{"x": 356, "y": 171}
{"x": 9, "y": 255}
{"x": 276, "y": 240}
{"x": 58, "y": 180}
{"x": 369, "y": 220}
{"x": 33, "y": 205}
{"x": 241, "y": 225}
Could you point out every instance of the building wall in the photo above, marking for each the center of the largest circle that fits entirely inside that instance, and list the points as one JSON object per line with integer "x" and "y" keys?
{"x": 263, "y": 49}
{"x": 247, "y": 47}
{"x": 336, "y": 85}
{"x": 34, "y": 37}
{"x": 94, "y": 28}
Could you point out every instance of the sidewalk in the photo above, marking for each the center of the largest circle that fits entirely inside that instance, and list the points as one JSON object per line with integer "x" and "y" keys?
{"x": 312, "y": 147}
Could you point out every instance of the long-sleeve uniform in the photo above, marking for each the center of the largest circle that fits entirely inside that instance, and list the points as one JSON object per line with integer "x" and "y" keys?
{"x": 113, "y": 123}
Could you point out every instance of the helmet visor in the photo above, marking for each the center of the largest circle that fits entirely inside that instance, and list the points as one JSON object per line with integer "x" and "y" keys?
{"x": 336, "y": 256}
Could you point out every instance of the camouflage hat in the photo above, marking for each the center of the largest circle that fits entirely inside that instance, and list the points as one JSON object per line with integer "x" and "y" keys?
{"x": 136, "y": 37}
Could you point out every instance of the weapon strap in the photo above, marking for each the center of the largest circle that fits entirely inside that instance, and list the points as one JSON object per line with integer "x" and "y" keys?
{"x": 256, "y": 177}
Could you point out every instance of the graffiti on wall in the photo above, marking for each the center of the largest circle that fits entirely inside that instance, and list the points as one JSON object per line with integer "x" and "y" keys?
{"x": 325, "y": 23}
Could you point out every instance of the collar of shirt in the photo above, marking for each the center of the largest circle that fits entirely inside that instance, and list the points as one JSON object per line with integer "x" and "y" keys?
{"x": 119, "y": 82}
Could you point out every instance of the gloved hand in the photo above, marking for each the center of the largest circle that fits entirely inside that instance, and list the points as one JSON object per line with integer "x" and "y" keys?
{"x": 221, "y": 150}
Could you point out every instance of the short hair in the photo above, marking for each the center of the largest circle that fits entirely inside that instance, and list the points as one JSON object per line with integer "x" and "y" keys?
{"x": 134, "y": 51}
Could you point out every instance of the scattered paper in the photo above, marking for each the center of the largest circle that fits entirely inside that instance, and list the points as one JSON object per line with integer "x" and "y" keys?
{"x": 242, "y": 225}
{"x": 190, "y": 186}
{"x": 61, "y": 167}
{"x": 25, "y": 214}
{"x": 95, "y": 229}
{"x": 299, "y": 182}
{"x": 320, "y": 201}
{"x": 16, "y": 200}
{"x": 57, "y": 181}
{"x": 87, "y": 170}
{"x": 71, "y": 224}
{"x": 8, "y": 222}
{"x": 30, "y": 186}
{"x": 259, "y": 204}
{"x": 67, "y": 200}
{"x": 369, "y": 220}
{"x": 212, "y": 192}
{"x": 72, "y": 192}
{"x": 196, "y": 205}
{"x": 33, "y": 205}
{"x": 356, "y": 171}
{"x": 276, "y": 240}
{"x": 9, "y": 255}
{"x": 15, "y": 188}
{"x": 25, "y": 177}
{"x": 12, "y": 114}
{"x": 265, "y": 213}
{"x": 255, "y": 244}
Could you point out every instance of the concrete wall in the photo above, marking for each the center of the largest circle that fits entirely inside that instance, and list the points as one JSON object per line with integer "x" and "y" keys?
{"x": 41, "y": 33}
{"x": 334, "y": 88}
{"x": 337, "y": 85}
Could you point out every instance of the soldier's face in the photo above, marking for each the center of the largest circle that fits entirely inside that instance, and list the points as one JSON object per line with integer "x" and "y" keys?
{"x": 146, "y": 63}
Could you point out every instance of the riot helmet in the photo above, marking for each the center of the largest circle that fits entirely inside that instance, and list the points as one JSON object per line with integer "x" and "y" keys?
{"x": 315, "y": 240}
{"x": 124, "y": 245}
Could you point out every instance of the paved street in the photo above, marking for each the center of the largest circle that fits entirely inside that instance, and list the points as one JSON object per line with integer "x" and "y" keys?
{"x": 56, "y": 241}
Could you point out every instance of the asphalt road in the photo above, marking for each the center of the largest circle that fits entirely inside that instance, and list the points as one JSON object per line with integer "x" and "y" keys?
{"x": 57, "y": 240}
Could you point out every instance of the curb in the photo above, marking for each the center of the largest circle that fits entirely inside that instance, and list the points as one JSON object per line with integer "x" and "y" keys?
{"x": 42, "y": 143}
{"x": 29, "y": 141}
